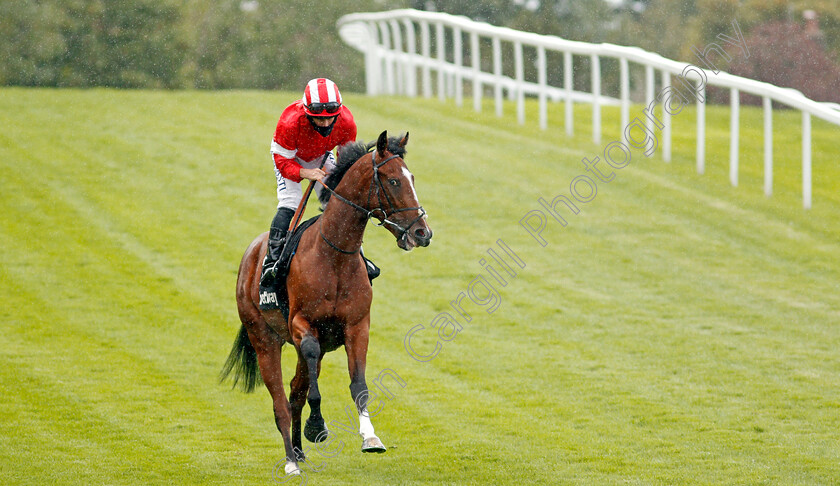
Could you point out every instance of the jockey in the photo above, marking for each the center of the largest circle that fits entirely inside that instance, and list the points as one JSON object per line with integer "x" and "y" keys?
{"x": 307, "y": 132}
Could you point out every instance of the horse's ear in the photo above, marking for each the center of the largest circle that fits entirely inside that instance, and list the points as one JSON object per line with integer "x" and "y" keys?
{"x": 382, "y": 143}
{"x": 404, "y": 140}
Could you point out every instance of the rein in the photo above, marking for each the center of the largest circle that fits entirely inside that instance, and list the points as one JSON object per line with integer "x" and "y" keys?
{"x": 369, "y": 213}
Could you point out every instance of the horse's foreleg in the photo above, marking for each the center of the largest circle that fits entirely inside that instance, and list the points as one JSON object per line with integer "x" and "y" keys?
{"x": 309, "y": 364}
{"x": 316, "y": 428}
{"x": 356, "y": 344}
{"x": 310, "y": 351}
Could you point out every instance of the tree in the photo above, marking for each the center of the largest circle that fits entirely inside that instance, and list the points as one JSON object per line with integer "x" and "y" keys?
{"x": 122, "y": 43}
{"x": 272, "y": 44}
{"x": 784, "y": 54}
{"x": 494, "y": 12}
{"x": 652, "y": 28}
{"x": 32, "y": 43}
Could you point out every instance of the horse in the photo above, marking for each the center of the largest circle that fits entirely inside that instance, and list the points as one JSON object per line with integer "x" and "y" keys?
{"x": 329, "y": 293}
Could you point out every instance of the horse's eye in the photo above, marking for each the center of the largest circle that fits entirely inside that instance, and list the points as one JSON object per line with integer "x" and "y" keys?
{"x": 394, "y": 182}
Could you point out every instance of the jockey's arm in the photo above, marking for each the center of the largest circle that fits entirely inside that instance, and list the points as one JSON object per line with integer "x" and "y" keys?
{"x": 293, "y": 171}
{"x": 315, "y": 174}
{"x": 288, "y": 168}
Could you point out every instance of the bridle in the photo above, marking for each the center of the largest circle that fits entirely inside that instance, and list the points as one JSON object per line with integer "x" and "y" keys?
{"x": 375, "y": 185}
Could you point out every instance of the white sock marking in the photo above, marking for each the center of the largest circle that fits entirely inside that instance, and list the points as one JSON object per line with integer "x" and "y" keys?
{"x": 365, "y": 425}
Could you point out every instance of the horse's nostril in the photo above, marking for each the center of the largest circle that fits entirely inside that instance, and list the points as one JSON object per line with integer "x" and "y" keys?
{"x": 423, "y": 234}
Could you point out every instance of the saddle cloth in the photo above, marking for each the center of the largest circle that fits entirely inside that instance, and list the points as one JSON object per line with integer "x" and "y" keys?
{"x": 274, "y": 296}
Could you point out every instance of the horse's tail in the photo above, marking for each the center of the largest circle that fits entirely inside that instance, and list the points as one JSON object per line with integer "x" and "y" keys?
{"x": 242, "y": 361}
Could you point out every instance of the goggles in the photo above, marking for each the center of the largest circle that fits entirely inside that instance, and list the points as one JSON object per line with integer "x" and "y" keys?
{"x": 330, "y": 108}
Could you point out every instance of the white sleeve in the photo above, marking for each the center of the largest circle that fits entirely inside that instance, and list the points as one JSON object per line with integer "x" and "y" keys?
{"x": 278, "y": 149}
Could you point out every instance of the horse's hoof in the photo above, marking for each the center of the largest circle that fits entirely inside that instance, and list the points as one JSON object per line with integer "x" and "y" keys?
{"x": 292, "y": 469}
{"x": 373, "y": 444}
{"x": 299, "y": 455}
{"x": 315, "y": 430}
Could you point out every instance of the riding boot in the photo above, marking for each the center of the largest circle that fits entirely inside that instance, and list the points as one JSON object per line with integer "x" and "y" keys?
{"x": 372, "y": 270}
{"x": 276, "y": 240}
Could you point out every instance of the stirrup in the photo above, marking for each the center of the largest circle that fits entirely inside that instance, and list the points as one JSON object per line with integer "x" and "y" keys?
{"x": 372, "y": 270}
{"x": 269, "y": 275}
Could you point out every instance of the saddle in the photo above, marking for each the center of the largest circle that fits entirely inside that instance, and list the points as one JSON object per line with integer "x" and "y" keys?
{"x": 274, "y": 296}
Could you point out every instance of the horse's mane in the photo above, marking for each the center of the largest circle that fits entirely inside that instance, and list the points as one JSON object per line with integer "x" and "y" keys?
{"x": 349, "y": 154}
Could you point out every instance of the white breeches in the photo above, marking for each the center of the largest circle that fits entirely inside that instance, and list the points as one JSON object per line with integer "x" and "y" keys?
{"x": 289, "y": 192}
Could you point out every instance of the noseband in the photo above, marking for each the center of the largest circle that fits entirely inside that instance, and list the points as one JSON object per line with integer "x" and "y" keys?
{"x": 375, "y": 185}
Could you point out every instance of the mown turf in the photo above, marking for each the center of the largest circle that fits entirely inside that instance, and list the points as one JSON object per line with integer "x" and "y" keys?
{"x": 676, "y": 331}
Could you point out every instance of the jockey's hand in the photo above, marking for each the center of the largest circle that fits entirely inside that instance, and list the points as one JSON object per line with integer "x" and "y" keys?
{"x": 313, "y": 174}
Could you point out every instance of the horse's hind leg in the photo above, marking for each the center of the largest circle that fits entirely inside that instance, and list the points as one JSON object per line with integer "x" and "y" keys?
{"x": 268, "y": 346}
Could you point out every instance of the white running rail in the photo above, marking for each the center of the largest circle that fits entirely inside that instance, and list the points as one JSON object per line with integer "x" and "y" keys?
{"x": 389, "y": 41}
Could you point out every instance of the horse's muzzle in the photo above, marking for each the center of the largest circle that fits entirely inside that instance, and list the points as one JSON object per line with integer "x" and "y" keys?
{"x": 422, "y": 236}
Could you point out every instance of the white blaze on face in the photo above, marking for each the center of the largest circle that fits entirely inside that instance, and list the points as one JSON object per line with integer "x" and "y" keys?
{"x": 365, "y": 425}
{"x": 408, "y": 176}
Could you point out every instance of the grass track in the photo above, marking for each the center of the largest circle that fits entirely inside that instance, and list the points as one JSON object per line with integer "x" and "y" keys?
{"x": 677, "y": 331}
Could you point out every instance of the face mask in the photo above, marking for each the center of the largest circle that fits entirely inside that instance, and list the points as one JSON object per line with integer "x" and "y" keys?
{"x": 323, "y": 131}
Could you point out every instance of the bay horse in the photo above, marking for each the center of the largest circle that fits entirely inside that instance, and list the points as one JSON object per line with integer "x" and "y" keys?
{"x": 329, "y": 292}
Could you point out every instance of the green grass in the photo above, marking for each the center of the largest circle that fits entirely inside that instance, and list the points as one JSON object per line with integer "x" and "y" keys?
{"x": 677, "y": 331}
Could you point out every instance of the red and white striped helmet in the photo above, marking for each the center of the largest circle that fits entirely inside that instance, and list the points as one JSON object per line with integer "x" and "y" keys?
{"x": 321, "y": 98}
